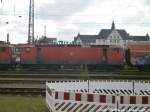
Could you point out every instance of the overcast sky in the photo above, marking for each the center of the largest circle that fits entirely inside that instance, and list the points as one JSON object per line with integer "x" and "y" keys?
{"x": 65, "y": 18}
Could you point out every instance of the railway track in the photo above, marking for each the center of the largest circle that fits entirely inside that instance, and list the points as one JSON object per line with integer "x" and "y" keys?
{"x": 35, "y": 72}
{"x": 33, "y": 82}
{"x": 128, "y": 71}
{"x": 22, "y": 86}
{"x": 65, "y": 70}
{"x": 23, "y": 91}
{"x": 39, "y": 77}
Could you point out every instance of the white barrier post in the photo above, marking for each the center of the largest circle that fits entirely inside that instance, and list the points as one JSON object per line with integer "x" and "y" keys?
{"x": 117, "y": 102}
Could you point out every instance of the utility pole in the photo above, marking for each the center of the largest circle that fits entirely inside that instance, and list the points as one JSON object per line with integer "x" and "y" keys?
{"x": 31, "y": 23}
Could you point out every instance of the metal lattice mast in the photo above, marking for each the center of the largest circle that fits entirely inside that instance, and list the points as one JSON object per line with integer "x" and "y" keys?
{"x": 45, "y": 31}
{"x": 31, "y": 23}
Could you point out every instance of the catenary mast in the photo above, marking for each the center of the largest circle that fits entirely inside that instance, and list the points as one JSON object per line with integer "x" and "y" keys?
{"x": 31, "y": 23}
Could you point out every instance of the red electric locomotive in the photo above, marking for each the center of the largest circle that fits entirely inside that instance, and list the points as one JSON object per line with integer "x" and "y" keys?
{"x": 7, "y": 55}
{"x": 140, "y": 55}
{"x": 60, "y": 56}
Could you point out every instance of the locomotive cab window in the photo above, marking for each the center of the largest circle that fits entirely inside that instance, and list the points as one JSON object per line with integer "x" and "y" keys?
{"x": 27, "y": 49}
{"x": 17, "y": 49}
{"x": 2, "y": 49}
{"x": 116, "y": 50}
{"x": 38, "y": 49}
{"x": 147, "y": 54}
{"x": 13, "y": 49}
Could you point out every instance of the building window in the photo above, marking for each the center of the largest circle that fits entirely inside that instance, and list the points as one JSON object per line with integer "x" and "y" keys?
{"x": 118, "y": 41}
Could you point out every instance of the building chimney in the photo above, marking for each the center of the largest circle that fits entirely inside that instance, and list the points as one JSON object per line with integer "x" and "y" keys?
{"x": 7, "y": 37}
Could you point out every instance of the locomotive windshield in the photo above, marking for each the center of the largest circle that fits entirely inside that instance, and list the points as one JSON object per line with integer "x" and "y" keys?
{"x": 2, "y": 49}
{"x": 147, "y": 54}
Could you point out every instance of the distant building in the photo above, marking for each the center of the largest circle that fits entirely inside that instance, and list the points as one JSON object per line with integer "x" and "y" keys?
{"x": 85, "y": 39}
{"x": 111, "y": 36}
{"x": 46, "y": 40}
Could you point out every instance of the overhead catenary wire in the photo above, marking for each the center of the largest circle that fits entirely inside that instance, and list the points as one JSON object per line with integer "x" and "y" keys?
{"x": 76, "y": 16}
